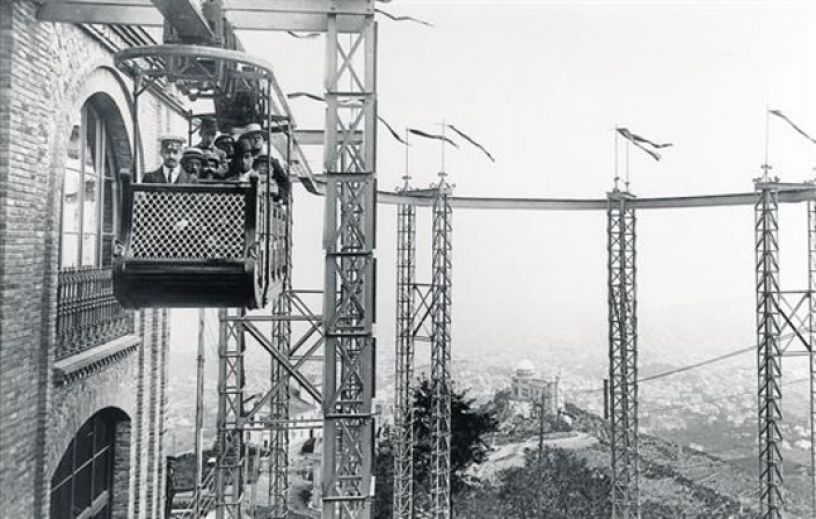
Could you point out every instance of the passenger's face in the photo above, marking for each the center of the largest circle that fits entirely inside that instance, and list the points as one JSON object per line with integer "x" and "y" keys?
{"x": 246, "y": 161}
{"x": 207, "y": 137}
{"x": 171, "y": 154}
{"x": 226, "y": 146}
{"x": 193, "y": 166}
{"x": 257, "y": 141}
{"x": 262, "y": 167}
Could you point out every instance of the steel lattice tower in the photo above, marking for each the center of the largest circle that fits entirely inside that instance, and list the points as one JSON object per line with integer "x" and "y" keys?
{"x": 623, "y": 385}
{"x": 279, "y": 403}
{"x": 230, "y": 441}
{"x": 441, "y": 355}
{"x": 811, "y": 210}
{"x": 404, "y": 363}
{"x": 349, "y": 242}
{"x": 768, "y": 351}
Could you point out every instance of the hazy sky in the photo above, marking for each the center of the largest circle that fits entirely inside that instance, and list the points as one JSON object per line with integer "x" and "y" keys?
{"x": 542, "y": 84}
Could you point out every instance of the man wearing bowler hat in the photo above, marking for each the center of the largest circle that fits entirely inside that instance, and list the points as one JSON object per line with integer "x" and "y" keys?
{"x": 207, "y": 131}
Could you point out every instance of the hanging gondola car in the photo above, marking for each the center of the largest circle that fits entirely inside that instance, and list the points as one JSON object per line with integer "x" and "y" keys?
{"x": 213, "y": 244}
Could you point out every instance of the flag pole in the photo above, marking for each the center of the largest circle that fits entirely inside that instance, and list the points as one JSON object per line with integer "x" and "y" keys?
{"x": 626, "y": 184}
{"x": 617, "y": 175}
{"x": 407, "y": 176}
{"x": 442, "y": 172}
{"x": 765, "y": 166}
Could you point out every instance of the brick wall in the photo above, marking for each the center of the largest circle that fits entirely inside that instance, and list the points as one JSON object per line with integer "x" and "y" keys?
{"x": 47, "y": 72}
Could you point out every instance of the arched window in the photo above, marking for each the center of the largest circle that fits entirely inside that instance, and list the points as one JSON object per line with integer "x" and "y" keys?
{"x": 89, "y": 193}
{"x": 87, "y": 311}
{"x": 83, "y": 484}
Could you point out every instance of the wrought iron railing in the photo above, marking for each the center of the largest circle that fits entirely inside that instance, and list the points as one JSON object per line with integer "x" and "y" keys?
{"x": 88, "y": 314}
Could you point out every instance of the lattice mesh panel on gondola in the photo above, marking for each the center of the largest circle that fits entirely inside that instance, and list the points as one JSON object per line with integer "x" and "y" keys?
{"x": 188, "y": 225}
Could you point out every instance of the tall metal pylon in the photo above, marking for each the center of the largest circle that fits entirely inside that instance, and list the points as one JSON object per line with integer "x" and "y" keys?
{"x": 766, "y": 232}
{"x": 229, "y": 440}
{"x": 811, "y": 210}
{"x": 404, "y": 361}
{"x": 349, "y": 243}
{"x": 279, "y": 403}
{"x": 441, "y": 354}
{"x": 623, "y": 366}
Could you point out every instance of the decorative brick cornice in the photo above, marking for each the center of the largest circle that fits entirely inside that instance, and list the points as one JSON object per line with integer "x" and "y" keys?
{"x": 94, "y": 360}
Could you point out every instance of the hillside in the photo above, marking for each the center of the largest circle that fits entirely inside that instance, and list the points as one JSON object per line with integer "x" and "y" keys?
{"x": 676, "y": 481}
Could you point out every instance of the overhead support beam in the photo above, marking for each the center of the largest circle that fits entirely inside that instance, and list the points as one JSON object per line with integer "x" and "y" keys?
{"x": 317, "y": 137}
{"x": 186, "y": 18}
{"x": 120, "y": 12}
{"x": 798, "y": 194}
{"x": 259, "y": 15}
{"x": 298, "y": 15}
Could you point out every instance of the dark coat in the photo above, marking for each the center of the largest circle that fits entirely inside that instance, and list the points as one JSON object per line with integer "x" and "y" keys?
{"x": 157, "y": 177}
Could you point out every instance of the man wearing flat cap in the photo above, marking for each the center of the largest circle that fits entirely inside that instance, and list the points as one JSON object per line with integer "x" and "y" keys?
{"x": 170, "y": 171}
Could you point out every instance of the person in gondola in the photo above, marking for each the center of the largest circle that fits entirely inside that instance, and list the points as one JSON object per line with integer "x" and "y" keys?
{"x": 242, "y": 160}
{"x": 226, "y": 144}
{"x": 255, "y": 135}
{"x": 170, "y": 172}
{"x": 212, "y": 165}
{"x": 261, "y": 163}
{"x": 192, "y": 162}
{"x": 207, "y": 131}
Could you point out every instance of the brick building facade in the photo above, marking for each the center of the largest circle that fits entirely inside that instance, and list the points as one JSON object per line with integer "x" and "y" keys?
{"x": 82, "y": 382}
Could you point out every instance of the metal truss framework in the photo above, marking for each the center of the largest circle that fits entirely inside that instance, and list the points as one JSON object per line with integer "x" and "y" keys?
{"x": 441, "y": 355}
{"x": 811, "y": 210}
{"x": 623, "y": 366}
{"x": 229, "y": 441}
{"x": 404, "y": 364}
{"x": 349, "y": 242}
{"x": 769, "y": 327}
{"x": 279, "y": 401}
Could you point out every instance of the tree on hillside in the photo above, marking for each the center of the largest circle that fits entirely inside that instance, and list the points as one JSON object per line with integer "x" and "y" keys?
{"x": 469, "y": 428}
{"x": 558, "y": 485}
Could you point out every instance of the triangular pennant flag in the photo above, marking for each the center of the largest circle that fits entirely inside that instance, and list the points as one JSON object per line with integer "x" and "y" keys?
{"x": 403, "y": 18}
{"x": 643, "y": 140}
{"x": 636, "y": 140}
{"x": 303, "y": 35}
{"x": 792, "y": 124}
{"x": 314, "y": 97}
{"x": 432, "y": 136}
{"x": 470, "y": 140}
{"x": 393, "y": 132}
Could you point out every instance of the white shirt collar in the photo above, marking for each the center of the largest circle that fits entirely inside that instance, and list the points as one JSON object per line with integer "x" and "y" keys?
{"x": 171, "y": 174}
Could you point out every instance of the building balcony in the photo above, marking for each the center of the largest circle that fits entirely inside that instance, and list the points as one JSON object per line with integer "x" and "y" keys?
{"x": 88, "y": 314}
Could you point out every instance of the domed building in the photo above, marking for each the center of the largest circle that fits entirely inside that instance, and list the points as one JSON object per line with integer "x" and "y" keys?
{"x": 526, "y": 386}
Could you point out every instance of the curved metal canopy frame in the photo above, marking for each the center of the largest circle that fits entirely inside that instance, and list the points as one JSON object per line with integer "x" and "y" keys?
{"x": 150, "y": 60}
